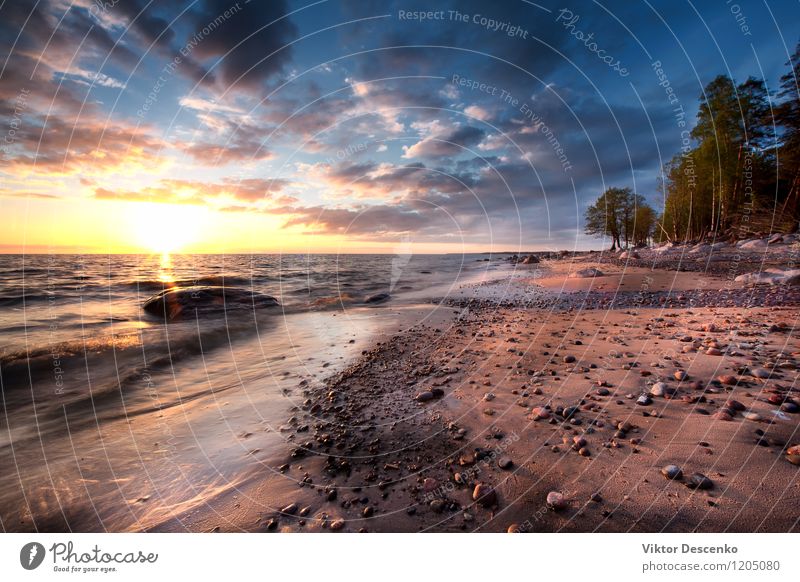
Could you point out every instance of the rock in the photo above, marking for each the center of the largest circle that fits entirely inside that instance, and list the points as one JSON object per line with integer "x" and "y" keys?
{"x": 658, "y": 389}
{"x": 368, "y": 511}
{"x": 290, "y": 509}
{"x": 728, "y": 380}
{"x": 602, "y": 392}
{"x": 530, "y": 260}
{"x": 754, "y": 416}
{"x": 752, "y": 245}
{"x": 377, "y": 298}
{"x": 424, "y": 396}
{"x": 775, "y": 239}
{"x": 713, "y": 352}
{"x": 723, "y": 415}
{"x": 199, "y": 301}
{"x": 699, "y": 481}
{"x": 760, "y": 373}
{"x": 793, "y": 455}
{"x": 586, "y": 273}
{"x": 505, "y": 463}
{"x": 429, "y": 484}
{"x": 484, "y": 495}
{"x": 514, "y": 528}
{"x": 540, "y": 413}
{"x": 672, "y": 472}
{"x": 488, "y": 397}
{"x": 680, "y": 375}
{"x": 644, "y": 400}
{"x": 569, "y": 359}
{"x": 790, "y": 407}
{"x": 556, "y": 501}
{"x": 584, "y": 452}
{"x": 337, "y": 524}
{"x": 735, "y": 405}
{"x": 626, "y": 255}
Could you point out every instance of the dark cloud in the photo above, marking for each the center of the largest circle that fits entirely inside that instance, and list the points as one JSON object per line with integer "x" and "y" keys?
{"x": 252, "y": 42}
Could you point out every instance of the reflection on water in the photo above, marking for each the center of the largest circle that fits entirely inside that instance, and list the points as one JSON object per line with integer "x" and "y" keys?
{"x": 165, "y": 274}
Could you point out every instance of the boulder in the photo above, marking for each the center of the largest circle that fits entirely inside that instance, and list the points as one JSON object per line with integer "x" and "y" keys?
{"x": 752, "y": 245}
{"x": 377, "y": 298}
{"x": 180, "y": 303}
{"x": 530, "y": 260}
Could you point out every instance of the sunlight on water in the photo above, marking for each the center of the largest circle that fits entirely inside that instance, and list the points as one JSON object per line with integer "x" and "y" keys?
{"x": 165, "y": 272}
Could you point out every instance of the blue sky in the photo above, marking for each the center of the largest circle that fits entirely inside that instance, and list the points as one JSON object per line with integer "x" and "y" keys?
{"x": 494, "y": 127}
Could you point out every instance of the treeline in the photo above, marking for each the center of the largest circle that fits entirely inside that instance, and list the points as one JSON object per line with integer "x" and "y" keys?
{"x": 738, "y": 175}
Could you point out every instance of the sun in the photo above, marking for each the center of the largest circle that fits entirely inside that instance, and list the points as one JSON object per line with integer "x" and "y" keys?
{"x": 167, "y": 228}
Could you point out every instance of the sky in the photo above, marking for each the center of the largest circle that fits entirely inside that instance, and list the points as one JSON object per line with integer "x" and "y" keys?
{"x": 351, "y": 126}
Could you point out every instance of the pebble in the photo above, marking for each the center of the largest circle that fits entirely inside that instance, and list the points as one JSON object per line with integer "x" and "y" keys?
{"x": 603, "y": 392}
{"x": 728, "y": 380}
{"x": 424, "y": 396}
{"x": 556, "y": 501}
{"x": 713, "y": 352}
{"x": 754, "y": 416}
{"x": 644, "y": 400}
{"x": 290, "y": 509}
{"x": 540, "y": 413}
{"x": 658, "y": 389}
{"x": 760, "y": 373}
{"x": 569, "y": 359}
{"x": 484, "y": 495}
{"x": 505, "y": 463}
{"x": 337, "y": 524}
{"x": 793, "y": 455}
{"x": 672, "y": 472}
{"x": 680, "y": 375}
{"x": 735, "y": 405}
{"x": 699, "y": 481}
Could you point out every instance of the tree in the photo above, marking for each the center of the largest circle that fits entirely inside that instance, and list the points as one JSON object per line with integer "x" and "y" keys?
{"x": 706, "y": 188}
{"x": 787, "y": 114}
{"x": 621, "y": 215}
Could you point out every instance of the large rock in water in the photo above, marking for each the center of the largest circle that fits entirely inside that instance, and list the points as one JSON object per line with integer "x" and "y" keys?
{"x": 199, "y": 301}
{"x": 377, "y": 298}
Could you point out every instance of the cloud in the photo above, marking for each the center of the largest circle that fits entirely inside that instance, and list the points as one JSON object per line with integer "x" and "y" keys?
{"x": 249, "y": 192}
{"x": 450, "y": 143}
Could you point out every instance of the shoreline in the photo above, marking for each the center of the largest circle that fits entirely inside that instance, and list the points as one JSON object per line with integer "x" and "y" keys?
{"x": 516, "y": 414}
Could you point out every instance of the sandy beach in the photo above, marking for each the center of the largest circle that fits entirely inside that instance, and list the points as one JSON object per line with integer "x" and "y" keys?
{"x": 643, "y": 398}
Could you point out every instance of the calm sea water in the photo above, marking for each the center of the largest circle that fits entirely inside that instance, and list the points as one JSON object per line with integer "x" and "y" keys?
{"x": 115, "y": 420}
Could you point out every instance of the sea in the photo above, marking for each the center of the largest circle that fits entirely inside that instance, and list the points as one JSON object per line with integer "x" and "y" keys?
{"x": 119, "y": 419}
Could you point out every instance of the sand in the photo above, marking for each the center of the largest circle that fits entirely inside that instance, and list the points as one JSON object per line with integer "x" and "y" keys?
{"x": 469, "y": 420}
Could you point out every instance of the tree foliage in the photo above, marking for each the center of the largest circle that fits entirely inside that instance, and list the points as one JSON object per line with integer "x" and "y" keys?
{"x": 621, "y": 215}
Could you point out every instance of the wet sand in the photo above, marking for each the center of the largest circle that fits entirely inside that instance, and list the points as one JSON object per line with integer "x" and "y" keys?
{"x": 547, "y": 403}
